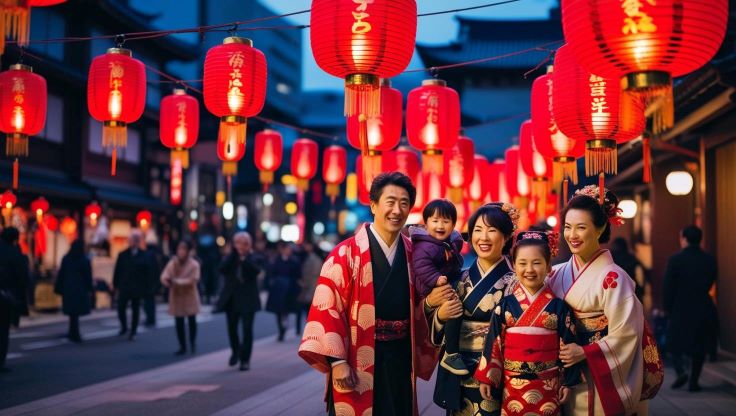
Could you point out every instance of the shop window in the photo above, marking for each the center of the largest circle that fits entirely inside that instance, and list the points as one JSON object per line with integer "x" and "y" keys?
{"x": 53, "y": 131}
{"x": 47, "y": 24}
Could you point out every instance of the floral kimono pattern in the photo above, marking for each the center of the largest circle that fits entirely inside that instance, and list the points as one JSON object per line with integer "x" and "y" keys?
{"x": 341, "y": 324}
{"x": 521, "y": 352}
{"x": 460, "y": 395}
{"x": 610, "y": 324}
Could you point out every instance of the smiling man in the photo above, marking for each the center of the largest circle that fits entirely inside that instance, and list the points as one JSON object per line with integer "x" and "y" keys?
{"x": 366, "y": 328}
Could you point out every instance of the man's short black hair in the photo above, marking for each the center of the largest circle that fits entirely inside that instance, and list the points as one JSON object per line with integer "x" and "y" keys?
{"x": 392, "y": 178}
{"x": 442, "y": 207}
{"x": 693, "y": 235}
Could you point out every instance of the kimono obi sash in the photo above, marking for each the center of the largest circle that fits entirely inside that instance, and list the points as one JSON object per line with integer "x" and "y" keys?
{"x": 531, "y": 347}
{"x": 391, "y": 330}
{"x": 473, "y": 335}
{"x": 591, "y": 321}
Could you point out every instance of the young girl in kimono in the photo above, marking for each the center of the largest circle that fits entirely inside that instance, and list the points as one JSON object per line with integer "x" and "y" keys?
{"x": 521, "y": 350}
{"x": 437, "y": 249}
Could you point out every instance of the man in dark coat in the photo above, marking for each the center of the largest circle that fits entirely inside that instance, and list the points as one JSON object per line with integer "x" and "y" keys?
{"x": 13, "y": 283}
{"x": 74, "y": 284}
{"x": 239, "y": 298}
{"x": 284, "y": 274}
{"x": 131, "y": 279}
{"x": 627, "y": 261}
{"x": 692, "y": 314}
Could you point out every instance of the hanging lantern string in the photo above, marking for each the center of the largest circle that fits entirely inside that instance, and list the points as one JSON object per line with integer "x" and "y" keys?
{"x": 227, "y": 27}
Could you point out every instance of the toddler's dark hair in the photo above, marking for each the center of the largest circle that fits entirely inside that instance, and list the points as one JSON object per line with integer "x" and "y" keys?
{"x": 442, "y": 207}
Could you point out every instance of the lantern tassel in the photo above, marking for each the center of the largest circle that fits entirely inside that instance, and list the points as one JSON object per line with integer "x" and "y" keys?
{"x": 233, "y": 127}
{"x": 114, "y": 166}
{"x": 16, "y": 144}
{"x": 456, "y": 195}
{"x": 266, "y": 178}
{"x": 182, "y": 156}
{"x": 601, "y": 156}
{"x": 333, "y": 191}
{"x": 565, "y": 189}
{"x": 647, "y": 156}
{"x": 114, "y": 134}
{"x": 15, "y": 173}
{"x": 363, "y": 134}
{"x": 362, "y": 95}
{"x": 563, "y": 169}
{"x": 432, "y": 161}
{"x": 371, "y": 167}
{"x": 654, "y": 88}
{"x": 229, "y": 169}
{"x": 601, "y": 188}
{"x": 14, "y": 23}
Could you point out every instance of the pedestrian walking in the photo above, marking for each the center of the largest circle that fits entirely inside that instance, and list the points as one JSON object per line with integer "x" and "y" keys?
{"x": 239, "y": 298}
{"x": 181, "y": 276}
{"x": 311, "y": 266}
{"x": 628, "y": 261}
{"x": 13, "y": 283}
{"x": 284, "y": 273}
{"x": 74, "y": 284}
{"x": 693, "y": 318}
{"x": 155, "y": 256}
{"x": 131, "y": 280}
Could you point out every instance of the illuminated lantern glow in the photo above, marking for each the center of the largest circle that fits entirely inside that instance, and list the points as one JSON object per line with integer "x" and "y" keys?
{"x": 679, "y": 182}
{"x": 116, "y": 96}
{"x": 380, "y": 133}
{"x": 591, "y": 108}
{"x": 459, "y": 168}
{"x": 177, "y": 179}
{"x": 363, "y": 41}
{"x": 40, "y": 206}
{"x": 430, "y": 186}
{"x": 334, "y": 169}
{"x": 549, "y": 140}
{"x": 432, "y": 121}
{"x": 179, "y": 125}
{"x": 645, "y": 43}
{"x": 51, "y": 222}
{"x": 8, "y": 200}
{"x": 477, "y": 190}
{"x": 93, "y": 211}
{"x": 15, "y": 19}
{"x": 22, "y": 110}
{"x": 234, "y": 85}
{"x": 230, "y": 151}
{"x": 68, "y": 227}
{"x": 351, "y": 187}
{"x": 497, "y": 185}
{"x": 304, "y": 156}
{"x": 269, "y": 149}
{"x": 535, "y": 166}
{"x": 365, "y": 180}
{"x": 517, "y": 183}
{"x": 144, "y": 219}
{"x": 403, "y": 160}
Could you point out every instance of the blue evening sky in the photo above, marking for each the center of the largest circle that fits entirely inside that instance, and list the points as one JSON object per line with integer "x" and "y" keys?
{"x": 439, "y": 29}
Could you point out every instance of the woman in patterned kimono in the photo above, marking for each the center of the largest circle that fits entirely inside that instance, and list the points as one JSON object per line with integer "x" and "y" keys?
{"x": 619, "y": 371}
{"x": 480, "y": 289}
{"x": 522, "y": 347}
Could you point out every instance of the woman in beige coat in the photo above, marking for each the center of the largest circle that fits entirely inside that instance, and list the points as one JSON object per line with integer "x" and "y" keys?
{"x": 181, "y": 276}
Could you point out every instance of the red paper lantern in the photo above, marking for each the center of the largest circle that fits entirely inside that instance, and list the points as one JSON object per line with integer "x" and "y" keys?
{"x": 179, "y": 125}
{"x": 68, "y": 227}
{"x": 16, "y": 18}
{"x": 144, "y": 219}
{"x": 22, "y": 110}
{"x": 365, "y": 179}
{"x": 304, "y": 155}
{"x": 517, "y": 183}
{"x": 588, "y": 107}
{"x": 403, "y": 160}
{"x": 176, "y": 182}
{"x": 362, "y": 41}
{"x": 269, "y": 150}
{"x": 535, "y": 166}
{"x": 39, "y": 206}
{"x": 93, "y": 211}
{"x": 645, "y": 43}
{"x": 477, "y": 190}
{"x": 230, "y": 150}
{"x": 234, "y": 84}
{"x": 548, "y": 138}
{"x": 51, "y": 222}
{"x": 8, "y": 200}
{"x": 432, "y": 121}
{"x": 334, "y": 169}
{"x": 380, "y": 133}
{"x": 497, "y": 182}
{"x": 116, "y": 96}
{"x": 459, "y": 167}
{"x": 430, "y": 186}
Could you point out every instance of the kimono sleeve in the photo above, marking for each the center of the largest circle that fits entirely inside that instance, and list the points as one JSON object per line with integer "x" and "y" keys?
{"x": 490, "y": 369}
{"x": 327, "y": 328}
{"x": 615, "y": 360}
{"x": 566, "y": 331}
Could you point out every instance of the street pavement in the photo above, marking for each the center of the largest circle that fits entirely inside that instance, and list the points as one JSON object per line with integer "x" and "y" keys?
{"x": 112, "y": 376}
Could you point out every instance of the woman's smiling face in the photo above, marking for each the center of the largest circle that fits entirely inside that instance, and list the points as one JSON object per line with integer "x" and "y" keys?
{"x": 581, "y": 234}
{"x": 487, "y": 241}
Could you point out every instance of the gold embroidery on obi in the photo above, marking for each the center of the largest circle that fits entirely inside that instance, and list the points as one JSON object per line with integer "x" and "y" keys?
{"x": 473, "y": 335}
{"x": 528, "y": 366}
{"x": 592, "y": 323}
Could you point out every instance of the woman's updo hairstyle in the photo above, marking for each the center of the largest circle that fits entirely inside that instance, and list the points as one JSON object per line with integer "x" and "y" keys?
{"x": 502, "y": 216}
{"x": 588, "y": 199}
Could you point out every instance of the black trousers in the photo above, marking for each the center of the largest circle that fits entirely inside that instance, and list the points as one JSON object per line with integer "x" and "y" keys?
{"x": 74, "y": 327}
{"x": 149, "y": 307}
{"x": 180, "y": 331}
{"x": 135, "y": 304}
{"x": 244, "y": 348}
{"x": 696, "y": 366}
{"x": 4, "y": 334}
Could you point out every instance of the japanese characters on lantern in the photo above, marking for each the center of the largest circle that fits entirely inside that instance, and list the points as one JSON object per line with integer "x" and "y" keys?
{"x": 432, "y": 121}
{"x": 363, "y": 41}
{"x": 268, "y": 153}
{"x": 234, "y": 85}
{"x": 179, "y": 125}
{"x": 116, "y": 96}
{"x": 22, "y": 110}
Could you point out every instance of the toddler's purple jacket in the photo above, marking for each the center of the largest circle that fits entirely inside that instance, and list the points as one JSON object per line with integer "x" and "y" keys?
{"x": 433, "y": 258}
